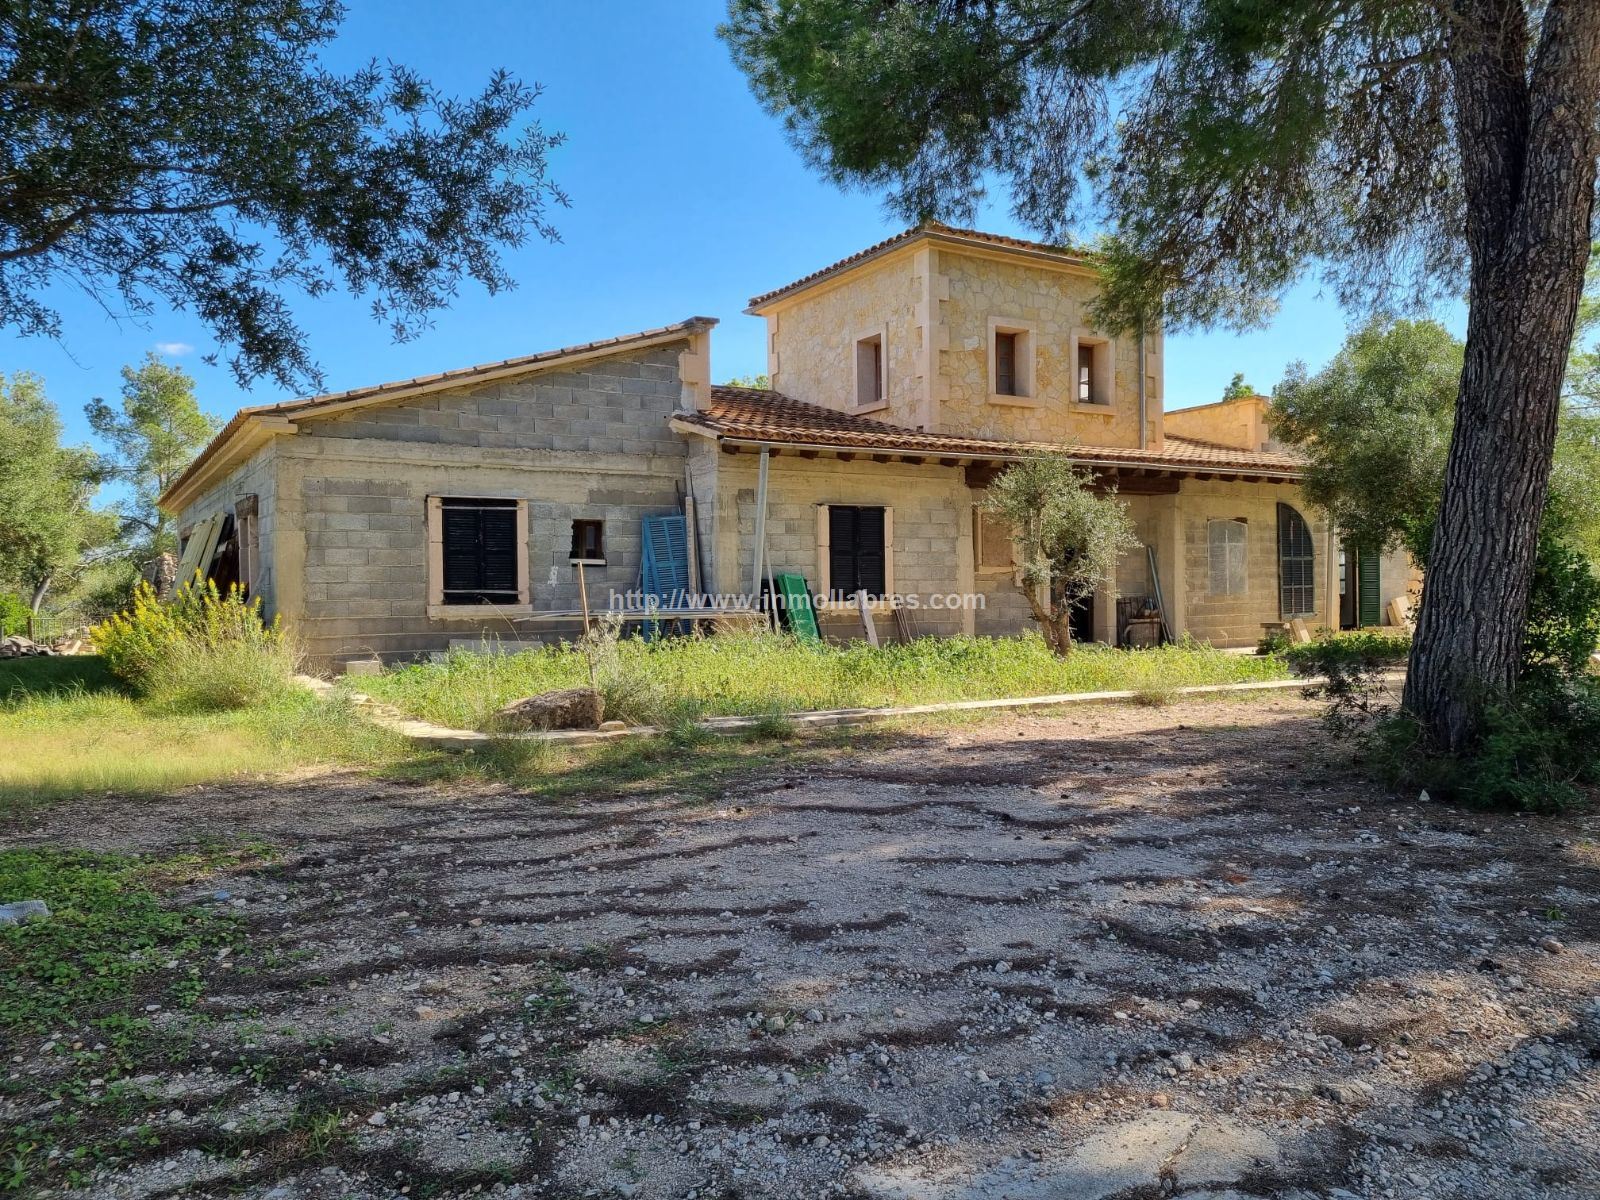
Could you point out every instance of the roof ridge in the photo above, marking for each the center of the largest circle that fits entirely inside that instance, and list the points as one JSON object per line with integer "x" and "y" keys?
{"x": 906, "y": 235}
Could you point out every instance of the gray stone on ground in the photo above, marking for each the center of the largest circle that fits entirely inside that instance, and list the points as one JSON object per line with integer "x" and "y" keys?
{"x": 569, "y": 708}
{"x": 23, "y": 911}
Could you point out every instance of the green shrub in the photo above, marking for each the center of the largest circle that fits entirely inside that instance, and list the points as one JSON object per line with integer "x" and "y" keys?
{"x": 1356, "y": 649}
{"x": 1563, "y": 613}
{"x": 201, "y": 651}
{"x": 1533, "y": 754}
{"x": 1274, "y": 641}
{"x": 14, "y": 614}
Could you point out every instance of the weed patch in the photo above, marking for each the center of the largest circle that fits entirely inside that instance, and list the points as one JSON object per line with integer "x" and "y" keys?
{"x": 685, "y": 678}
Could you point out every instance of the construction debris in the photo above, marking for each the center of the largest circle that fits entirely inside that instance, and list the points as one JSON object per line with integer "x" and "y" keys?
{"x": 17, "y": 646}
{"x": 74, "y": 641}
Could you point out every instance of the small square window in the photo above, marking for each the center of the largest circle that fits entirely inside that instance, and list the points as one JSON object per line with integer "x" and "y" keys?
{"x": 869, "y": 371}
{"x": 589, "y": 541}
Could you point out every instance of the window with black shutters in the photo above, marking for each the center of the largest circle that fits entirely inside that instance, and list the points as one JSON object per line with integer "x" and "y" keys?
{"x": 480, "y": 550}
{"x": 856, "y": 550}
{"x": 1296, "y": 565}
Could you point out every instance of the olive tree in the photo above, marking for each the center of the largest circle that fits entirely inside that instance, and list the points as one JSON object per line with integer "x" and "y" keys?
{"x": 1069, "y": 537}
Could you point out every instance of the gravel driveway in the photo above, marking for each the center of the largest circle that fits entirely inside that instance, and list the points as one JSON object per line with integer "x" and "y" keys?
{"x": 1120, "y": 953}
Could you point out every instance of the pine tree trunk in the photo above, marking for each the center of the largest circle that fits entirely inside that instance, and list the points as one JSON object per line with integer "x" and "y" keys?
{"x": 1528, "y": 151}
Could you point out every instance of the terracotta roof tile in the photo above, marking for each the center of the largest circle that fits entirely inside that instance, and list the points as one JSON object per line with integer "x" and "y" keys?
{"x": 750, "y": 414}
{"x": 929, "y": 227}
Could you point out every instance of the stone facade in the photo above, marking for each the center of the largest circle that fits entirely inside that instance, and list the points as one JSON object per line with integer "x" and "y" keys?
{"x": 938, "y": 309}
{"x": 811, "y": 346}
{"x": 930, "y": 552}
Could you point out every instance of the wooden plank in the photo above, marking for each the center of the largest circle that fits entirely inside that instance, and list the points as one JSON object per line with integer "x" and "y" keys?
{"x": 867, "y": 626}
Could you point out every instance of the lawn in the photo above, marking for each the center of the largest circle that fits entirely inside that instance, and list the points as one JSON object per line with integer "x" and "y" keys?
{"x": 69, "y": 730}
{"x": 680, "y": 678}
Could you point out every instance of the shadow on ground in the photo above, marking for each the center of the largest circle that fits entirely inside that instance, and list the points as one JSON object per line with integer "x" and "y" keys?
{"x": 1122, "y": 953}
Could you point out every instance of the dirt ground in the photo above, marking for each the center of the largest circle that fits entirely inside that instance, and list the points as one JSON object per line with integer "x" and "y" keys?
{"x": 1123, "y": 952}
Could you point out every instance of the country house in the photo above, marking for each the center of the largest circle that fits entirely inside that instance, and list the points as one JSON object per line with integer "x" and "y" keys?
{"x": 401, "y": 518}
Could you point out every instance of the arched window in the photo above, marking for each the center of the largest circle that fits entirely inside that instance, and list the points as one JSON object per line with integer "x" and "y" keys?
{"x": 1297, "y": 570}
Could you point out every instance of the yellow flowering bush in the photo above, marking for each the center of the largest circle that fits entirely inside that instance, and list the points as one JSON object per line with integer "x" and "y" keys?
{"x": 202, "y": 649}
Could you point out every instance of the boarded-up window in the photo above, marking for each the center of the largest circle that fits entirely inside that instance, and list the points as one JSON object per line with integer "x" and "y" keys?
{"x": 995, "y": 551}
{"x": 1005, "y": 364}
{"x": 480, "y": 551}
{"x": 856, "y": 558}
{"x": 1296, "y": 565}
{"x": 1227, "y": 541}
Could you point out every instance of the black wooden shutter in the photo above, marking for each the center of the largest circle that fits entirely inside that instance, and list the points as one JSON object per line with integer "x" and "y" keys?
{"x": 855, "y": 550}
{"x": 480, "y": 551}
{"x": 869, "y": 551}
{"x": 1296, "y": 565}
{"x": 499, "y": 540}
{"x": 842, "y": 549}
{"x": 462, "y": 561}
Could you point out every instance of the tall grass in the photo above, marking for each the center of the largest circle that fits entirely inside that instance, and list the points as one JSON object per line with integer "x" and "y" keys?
{"x": 64, "y": 744}
{"x": 761, "y": 675}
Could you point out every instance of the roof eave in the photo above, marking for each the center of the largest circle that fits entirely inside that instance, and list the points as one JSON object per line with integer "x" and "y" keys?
{"x": 996, "y": 454}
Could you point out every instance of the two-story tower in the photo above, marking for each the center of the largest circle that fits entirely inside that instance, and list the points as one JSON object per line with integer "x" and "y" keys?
{"x": 904, "y": 377}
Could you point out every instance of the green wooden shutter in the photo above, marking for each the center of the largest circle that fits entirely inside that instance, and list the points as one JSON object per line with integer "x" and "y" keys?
{"x": 1369, "y": 596}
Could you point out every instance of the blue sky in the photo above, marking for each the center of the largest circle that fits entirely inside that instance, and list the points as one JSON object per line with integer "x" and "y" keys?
{"x": 686, "y": 200}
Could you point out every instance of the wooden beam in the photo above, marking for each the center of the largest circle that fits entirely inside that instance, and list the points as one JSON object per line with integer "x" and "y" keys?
{"x": 916, "y": 460}
{"x": 981, "y": 474}
{"x": 729, "y": 448}
{"x": 846, "y": 456}
{"x": 807, "y": 453}
{"x": 882, "y": 458}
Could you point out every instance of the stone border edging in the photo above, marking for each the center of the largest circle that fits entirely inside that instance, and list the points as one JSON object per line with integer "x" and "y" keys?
{"x": 442, "y": 737}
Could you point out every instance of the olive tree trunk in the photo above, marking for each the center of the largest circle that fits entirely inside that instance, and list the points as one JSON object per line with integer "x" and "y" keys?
{"x": 1528, "y": 144}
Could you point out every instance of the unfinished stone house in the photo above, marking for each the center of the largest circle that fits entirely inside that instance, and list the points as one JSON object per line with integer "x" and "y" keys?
{"x": 398, "y": 519}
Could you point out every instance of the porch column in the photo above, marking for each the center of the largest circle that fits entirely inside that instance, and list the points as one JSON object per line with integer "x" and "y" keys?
{"x": 1105, "y": 611}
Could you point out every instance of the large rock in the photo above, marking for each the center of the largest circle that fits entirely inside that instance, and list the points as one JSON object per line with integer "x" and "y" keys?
{"x": 569, "y": 708}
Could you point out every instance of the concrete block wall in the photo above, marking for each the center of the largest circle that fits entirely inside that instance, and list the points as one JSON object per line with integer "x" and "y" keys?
{"x": 353, "y": 490}
{"x": 613, "y": 405}
{"x": 932, "y": 548}
{"x": 1236, "y": 620}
